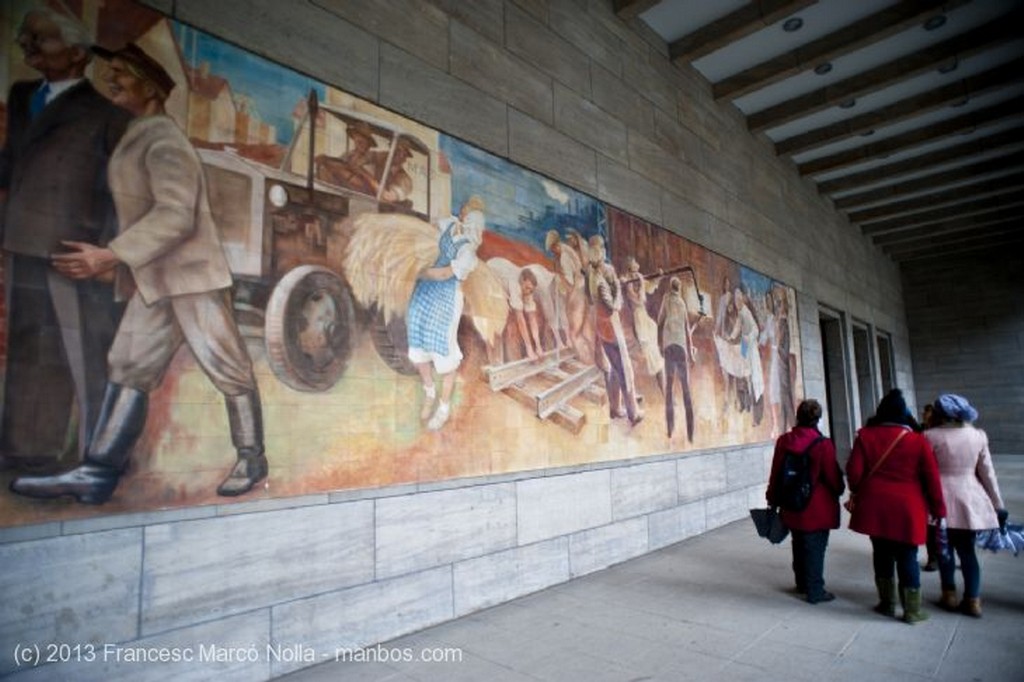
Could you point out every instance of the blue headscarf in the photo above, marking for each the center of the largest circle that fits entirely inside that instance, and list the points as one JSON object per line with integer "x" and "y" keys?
{"x": 953, "y": 406}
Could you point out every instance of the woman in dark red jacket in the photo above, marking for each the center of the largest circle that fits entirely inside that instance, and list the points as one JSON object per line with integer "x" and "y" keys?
{"x": 894, "y": 497}
{"x": 810, "y": 527}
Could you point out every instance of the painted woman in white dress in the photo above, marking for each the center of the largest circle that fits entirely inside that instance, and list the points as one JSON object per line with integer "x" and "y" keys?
{"x": 769, "y": 338}
{"x": 635, "y": 288}
{"x": 748, "y": 334}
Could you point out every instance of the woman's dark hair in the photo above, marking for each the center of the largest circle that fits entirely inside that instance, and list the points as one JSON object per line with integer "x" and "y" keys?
{"x": 808, "y": 413}
{"x": 893, "y": 410}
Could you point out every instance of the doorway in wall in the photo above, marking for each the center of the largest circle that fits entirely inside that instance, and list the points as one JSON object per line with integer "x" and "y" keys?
{"x": 864, "y": 366}
{"x": 837, "y": 383}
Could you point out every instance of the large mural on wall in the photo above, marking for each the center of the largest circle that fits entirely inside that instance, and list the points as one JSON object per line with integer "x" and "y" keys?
{"x": 226, "y": 281}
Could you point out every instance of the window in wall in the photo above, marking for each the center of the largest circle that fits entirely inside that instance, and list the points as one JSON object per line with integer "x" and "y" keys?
{"x": 863, "y": 362}
{"x": 837, "y": 382}
{"x": 886, "y": 363}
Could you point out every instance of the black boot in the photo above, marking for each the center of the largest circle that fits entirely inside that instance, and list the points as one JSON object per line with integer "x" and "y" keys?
{"x": 245, "y": 417}
{"x": 120, "y": 423}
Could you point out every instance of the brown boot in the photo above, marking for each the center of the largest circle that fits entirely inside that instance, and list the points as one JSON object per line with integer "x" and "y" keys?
{"x": 948, "y": 600}
{"x": 971, "y": 607}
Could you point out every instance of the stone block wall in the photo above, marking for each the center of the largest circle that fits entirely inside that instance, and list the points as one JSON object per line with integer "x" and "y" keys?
{"x": 966, "y": 319}
{"x": 255, "y": 593}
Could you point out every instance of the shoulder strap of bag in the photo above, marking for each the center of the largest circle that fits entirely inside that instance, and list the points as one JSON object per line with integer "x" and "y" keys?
{"x": 814, "y": 442}
{"x": 807, "y": 451}
{"x": 884, "y": 455}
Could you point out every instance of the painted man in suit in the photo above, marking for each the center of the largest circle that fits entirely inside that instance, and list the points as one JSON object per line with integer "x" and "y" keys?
{"x": 60, "y": 133}
{"x": 168, "y": 257}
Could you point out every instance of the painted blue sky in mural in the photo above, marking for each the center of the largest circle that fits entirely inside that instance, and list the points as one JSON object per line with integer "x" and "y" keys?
{"x": 521, "y": 204}
{"x": 273, "y": 90}
{"x": 756, "y": 284}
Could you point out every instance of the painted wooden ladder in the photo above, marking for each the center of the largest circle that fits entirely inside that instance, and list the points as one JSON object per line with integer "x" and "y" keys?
{"x": 549, "y": 384}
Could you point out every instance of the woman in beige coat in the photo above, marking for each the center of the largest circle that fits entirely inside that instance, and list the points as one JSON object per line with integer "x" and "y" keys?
{"x": 973, "y": 501}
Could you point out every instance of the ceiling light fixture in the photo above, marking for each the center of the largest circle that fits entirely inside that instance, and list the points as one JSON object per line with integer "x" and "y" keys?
{"x": 950, "y": 66}
{"x": 823, "y": 68}
{"x": 938, "y": 21}
{"x": 960, "y": 102}
{"x": 792, "y": 24}
{"x": 848, "y": 104}
{"x": 867, "y": 133}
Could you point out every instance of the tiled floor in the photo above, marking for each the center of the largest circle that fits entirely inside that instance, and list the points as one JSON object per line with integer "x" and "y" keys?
{"x": 719, "y": 607}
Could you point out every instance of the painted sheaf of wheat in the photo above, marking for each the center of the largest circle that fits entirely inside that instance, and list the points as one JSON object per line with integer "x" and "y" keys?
{"x": 385, "y": 254}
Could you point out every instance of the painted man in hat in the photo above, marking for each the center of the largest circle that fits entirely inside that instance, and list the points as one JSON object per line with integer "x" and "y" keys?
{"x": 60, "y": 134}
{"x": 362, "y": 167}
{"x": 353, "y": 169}
{"x": 398, "y": 186}
{"x": 604, "y": 291}
{"x": 169, "y": 260}
{"x": 569, "y": 269}
{"x": 398, "y": 183}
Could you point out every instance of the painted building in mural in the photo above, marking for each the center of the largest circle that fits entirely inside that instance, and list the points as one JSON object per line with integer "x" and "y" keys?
{"x": 567, "y": 331}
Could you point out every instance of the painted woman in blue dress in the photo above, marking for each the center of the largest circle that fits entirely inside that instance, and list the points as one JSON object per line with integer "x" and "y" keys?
{"x": 436, "y": 307}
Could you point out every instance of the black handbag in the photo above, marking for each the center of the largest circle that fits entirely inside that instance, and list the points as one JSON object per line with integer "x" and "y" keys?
{"x": 768, "y": 522}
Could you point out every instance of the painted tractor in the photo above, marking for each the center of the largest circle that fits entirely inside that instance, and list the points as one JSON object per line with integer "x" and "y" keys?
{"x": 285, "y": 229}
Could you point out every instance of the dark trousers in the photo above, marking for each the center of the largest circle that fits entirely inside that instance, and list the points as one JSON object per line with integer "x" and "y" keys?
{"x": 618, "y": 385}
{"x": 58, "y": 334}
{"x": 675, "y": 366}
{"x": 963, "y": 543}
{"x": 932, "y": 544}
{"x": 809, "y": 561}
{"x": 889, "y": 553}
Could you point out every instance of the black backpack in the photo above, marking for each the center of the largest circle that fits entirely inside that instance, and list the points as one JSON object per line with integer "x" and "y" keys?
{"x": 794, "y": 486}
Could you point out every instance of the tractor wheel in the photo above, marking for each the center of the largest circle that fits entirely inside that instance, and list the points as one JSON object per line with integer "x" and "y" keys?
{"x": 309, "y": 328}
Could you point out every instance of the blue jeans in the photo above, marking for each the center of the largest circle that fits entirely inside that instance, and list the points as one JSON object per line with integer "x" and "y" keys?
{"x": 963, "y": 542}
{"x": 889, "y": 553}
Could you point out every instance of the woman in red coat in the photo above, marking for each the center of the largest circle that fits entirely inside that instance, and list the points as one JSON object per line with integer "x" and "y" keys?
{"x": 810, "y": 527}
{"x": 894, "y": 476}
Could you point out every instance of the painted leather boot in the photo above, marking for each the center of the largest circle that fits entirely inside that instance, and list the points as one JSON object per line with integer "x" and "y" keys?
{"x": 245, "y": 418}
{"x": 120, "y": 423}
